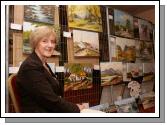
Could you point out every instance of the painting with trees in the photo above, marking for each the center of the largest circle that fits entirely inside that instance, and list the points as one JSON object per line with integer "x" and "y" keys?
{"x": 87, "y": 17}
{"x": 78, "y": 76}
{"x": 123, "y": 23}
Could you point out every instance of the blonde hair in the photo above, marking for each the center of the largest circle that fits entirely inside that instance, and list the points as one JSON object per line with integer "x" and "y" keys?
{"x": 39, "y": 33}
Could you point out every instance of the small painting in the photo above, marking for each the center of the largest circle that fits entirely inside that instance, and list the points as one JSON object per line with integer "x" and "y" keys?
{"x": 123, "y": 24}
{"x": 85, "y": 43}
{"x": 87, "y": 17}
{"x": 78, "y": 76}
{"x": 111, "y": 73}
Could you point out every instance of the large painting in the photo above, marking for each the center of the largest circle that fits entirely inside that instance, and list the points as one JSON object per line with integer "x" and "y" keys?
{"x": 125, "y": 50}
{"x": 86, "y": 17}
{"x": 78, "y": 76}
{"x": 85, "y": 43}
{"x": 145, "y": 30}
{"x": 123, "y": 24}
{"x": 111, "y": 73}
{"x": 39, "y": 13}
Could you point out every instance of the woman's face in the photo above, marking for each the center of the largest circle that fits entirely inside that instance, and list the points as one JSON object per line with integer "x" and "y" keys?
{"x": 45, "y": 46}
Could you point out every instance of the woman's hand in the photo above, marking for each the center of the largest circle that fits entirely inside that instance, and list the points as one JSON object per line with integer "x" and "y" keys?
{"x": 81, "y": 107}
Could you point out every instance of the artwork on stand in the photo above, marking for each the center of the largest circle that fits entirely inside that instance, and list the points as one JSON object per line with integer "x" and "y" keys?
{"x": 134, "y": 70}
{"x": 39, "y": 13}
{"x": 87, "y": 17}
{"x": 144, "y": 51}
{"x": 136, "y": 27}
{"x": 85, "y": 43}
{"x": 78, "y": 76}
{"x": 125, "y": 50}
{"x": 111, "y": 73}
{"x": 111, "y": 20}
{"x": 145, "y": 30}
{"x": 123, "y": 24}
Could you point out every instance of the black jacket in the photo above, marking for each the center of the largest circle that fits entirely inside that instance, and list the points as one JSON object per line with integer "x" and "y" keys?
{"x": 39, "y": 90}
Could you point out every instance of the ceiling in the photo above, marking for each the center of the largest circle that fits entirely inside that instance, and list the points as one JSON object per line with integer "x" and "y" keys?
{"x": 133, "y": 9}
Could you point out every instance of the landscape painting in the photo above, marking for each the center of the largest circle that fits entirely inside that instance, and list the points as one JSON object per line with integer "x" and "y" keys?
{"x": 148, "y": 71}
{"x": 123, "y": 24}
{"x": 87, "y": 17}
{"x": 39, "y": 13}
{"x": 78, "y": 76}
{"x": 85, "y": 43}
{"x": 111, "y": 73}
{"x": 144, "y": 51}
{"x": 145, "y": 30}
{"x": 125, "y": 50}
{"x": 134, "y": 70}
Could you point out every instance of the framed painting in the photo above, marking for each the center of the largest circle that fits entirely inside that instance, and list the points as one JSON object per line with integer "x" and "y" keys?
{"x": 87, "y": 17}
{"x": 78, "y": 76}
{"x": 111, "y": 73}
{"x": 144, "y": 51}
{"x": 123, "y": 24}
{"x": 85, "y": 43}
{"x": 125, "y": 50}
{"x": 145, "y": 30}
{"x": 39, "y": 13}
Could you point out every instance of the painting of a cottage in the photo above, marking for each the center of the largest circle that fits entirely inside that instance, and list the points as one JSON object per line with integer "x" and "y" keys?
{"x": 78, "y": 76}
{"x": 85, "y": 43}
{"x": 111, "y": 73}
{"x": 125, "y": 50}
{"x": 123, "y": 24}
{"x": 87, "y": 17}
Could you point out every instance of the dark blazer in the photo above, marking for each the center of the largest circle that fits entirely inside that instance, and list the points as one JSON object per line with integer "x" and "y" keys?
{"x": 39, "y": 90}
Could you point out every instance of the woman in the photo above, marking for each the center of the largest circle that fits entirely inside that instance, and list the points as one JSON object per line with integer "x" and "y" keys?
{"x": 39, "y": 89}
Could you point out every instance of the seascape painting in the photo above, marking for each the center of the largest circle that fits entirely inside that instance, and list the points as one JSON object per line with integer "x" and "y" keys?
{"x": 78, "y": 76}
{"x": 87, "y": 17}
{"x": 111, "y": 73}
{"x": 39, "y": 13}
{"x": 125, "y": 50}
{"x": 85, "y": 43}
{"x": 123, "y": 24}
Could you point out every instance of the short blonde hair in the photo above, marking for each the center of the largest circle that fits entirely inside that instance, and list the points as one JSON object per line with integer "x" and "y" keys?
{"x": 39, "y": 33}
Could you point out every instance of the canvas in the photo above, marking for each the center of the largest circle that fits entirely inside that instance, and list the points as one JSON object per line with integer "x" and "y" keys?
{"x": 145, "y": 30}
{"x": 39, "y": 13}
{"x": 123, "y": 23}
{"x": 125, "y": 50}
{"x": 85, "y": 43}
{"x": 111, "y": 73}
{"x": 78, "y": 76}
{"x": 87, "y": 17}
{"x": 144, "y": 51}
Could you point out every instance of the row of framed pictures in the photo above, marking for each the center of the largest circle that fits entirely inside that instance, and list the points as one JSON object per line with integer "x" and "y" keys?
{"x": 80, "y": 76}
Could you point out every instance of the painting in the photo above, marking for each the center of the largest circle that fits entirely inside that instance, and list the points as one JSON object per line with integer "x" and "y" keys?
{"x": 111, "y": 73}
{"x": 148, "y": 71}
{"x": 134, "y": 70}
{"x": 136, "y": 27}
{"x": 123, "y": 23}
{"x": 78, "y": 76}
{"x": 144, "y": 51}
{"x": 145, "y": 30}
{"x": 87, "y": 17}
{"x": 85, "y": 43}
{"x": 39, "y": 13}
{"x": 125, "y": 50}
